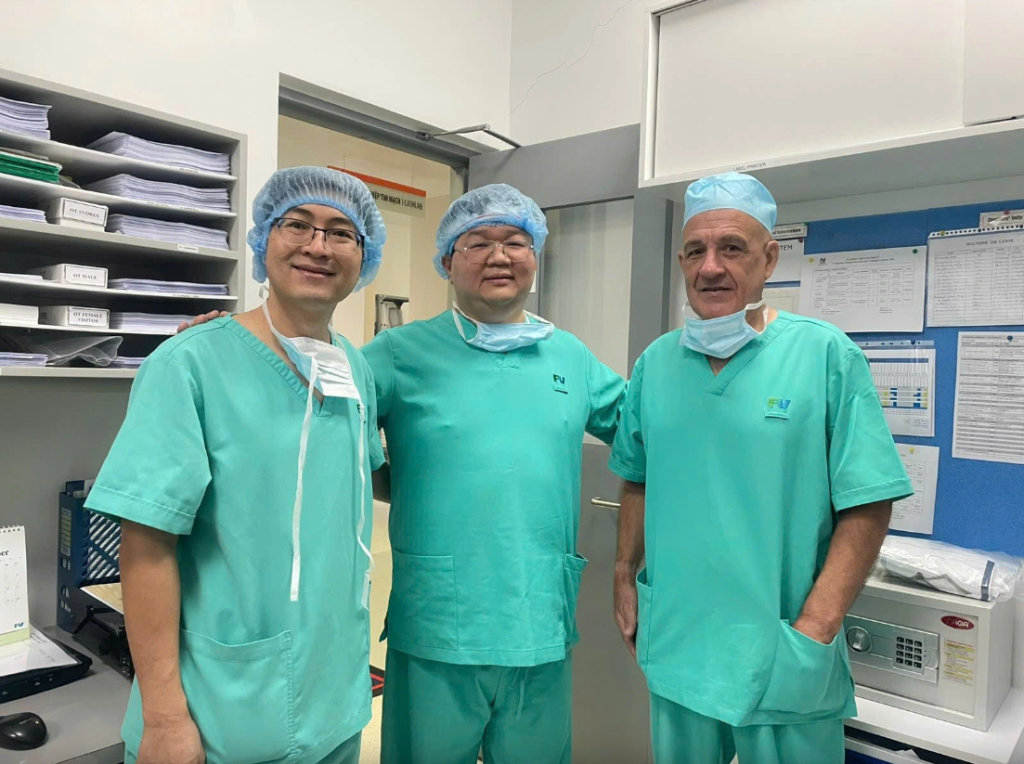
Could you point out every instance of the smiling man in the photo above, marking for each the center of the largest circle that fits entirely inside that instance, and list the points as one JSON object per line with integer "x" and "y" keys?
{"x": 760, "y": 475}
{"x": 238, "y": 476}
{"x": 485, "y": 408}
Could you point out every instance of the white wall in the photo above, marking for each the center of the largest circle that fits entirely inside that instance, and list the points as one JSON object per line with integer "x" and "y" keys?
{"x": 218, "y": 61}
{"x": 576, "y": 67}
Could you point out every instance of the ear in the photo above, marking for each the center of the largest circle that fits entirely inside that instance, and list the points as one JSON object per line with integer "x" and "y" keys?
{"x": 446, "y": 261}
{"x": 772, "y": 254}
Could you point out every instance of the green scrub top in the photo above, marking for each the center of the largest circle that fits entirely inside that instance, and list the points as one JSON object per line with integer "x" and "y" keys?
{"x": 485, "y": 452}
{"x": 744, "y": 472}
{"x": 209, "y": 451}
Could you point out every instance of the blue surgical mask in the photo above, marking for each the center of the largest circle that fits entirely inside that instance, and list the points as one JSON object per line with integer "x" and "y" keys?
{"x": 501, "y": 338}
{"x": 721, "y": 337}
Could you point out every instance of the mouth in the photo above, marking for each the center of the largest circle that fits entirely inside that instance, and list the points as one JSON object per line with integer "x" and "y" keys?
{"x": 715, "y": 290}
{"x": 500, "y": 280}
{"x": 313, "y": 271}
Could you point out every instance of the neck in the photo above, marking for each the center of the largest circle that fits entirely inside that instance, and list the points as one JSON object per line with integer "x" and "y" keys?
{"x": 756, "y": 318}
{"x": 493, "y": 314}
{"x": 293, "y": 319}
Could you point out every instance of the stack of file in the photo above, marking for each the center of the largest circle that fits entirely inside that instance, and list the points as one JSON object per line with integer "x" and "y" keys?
{"x": 163, "y": 153}
{"x": 26, "y": 118}
{"x": 22, "y": 359}
{"x": 168, "y": 287}
{"x": 147, "y": 322}
{"x": 22, "y": 213}
{"x": 157, "y": 191}
{"x": 34, "y": 169}
{"x": 180, "y": 233}
{"x": 126, "y": 362}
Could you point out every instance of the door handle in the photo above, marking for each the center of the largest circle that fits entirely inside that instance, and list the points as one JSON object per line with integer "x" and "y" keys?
{"x": 606, "y": 504}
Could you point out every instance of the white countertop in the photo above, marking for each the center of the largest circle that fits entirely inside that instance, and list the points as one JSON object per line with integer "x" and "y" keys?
{"x": 999, "y": 745}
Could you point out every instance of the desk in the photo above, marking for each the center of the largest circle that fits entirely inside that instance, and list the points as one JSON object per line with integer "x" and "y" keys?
{"x": 83, "y": 718}
{"x": 1001, "y": 744}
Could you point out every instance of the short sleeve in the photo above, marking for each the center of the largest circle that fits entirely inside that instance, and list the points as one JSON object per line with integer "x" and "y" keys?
{"x": 607, "y": 391}
{"x": 629, "y": 454}
{"x": 157, "y": 471}
{"x": 372, "y": 429}
{"x": 380, "y": 354}
{"x": 864, "y": 465}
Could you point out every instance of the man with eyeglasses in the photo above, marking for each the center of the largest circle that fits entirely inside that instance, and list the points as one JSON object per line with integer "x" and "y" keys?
{"x": 484, "y": 408}
{"x": 240, "y": 477}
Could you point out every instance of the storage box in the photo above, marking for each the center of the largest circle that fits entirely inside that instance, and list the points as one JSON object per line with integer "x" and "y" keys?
{"x": 79, "y": 275}
{"x": 71, "y": 315}
{"x": 11, "y": 313}
{"x": 76, "y": 214}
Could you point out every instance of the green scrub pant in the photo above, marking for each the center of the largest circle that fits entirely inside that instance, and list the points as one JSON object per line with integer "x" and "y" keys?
{"x": 346, "y": 753}
{"x": 680, "y": 736}
{"x": 444, "y": 713}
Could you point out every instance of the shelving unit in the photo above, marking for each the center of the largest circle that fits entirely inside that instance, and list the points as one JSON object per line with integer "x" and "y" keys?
{"x": 77, "y": 119}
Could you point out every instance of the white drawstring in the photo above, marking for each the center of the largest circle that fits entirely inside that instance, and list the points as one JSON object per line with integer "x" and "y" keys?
{"x": 362, "y": 506}
{"x": 297, "y": 509}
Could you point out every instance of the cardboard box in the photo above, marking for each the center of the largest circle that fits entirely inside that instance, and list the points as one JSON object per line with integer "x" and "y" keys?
{"x": 79, "y": 275}
{"x": 72, "y": 315}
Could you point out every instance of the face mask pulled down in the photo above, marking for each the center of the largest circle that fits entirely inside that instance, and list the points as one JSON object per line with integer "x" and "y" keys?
{"x": 326, "y": 368}
{"x": 501, "y": 338}
{"x": 721, "y": 337}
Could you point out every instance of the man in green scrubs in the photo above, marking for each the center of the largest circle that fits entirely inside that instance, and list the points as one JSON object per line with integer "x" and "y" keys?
{"x": 760, "y": 475}
{"x": 484, "y": 408}
{"x": 240, "y": 475}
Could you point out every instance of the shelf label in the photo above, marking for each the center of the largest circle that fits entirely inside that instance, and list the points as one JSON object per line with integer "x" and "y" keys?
{"x": 187, "y": 248}
{"x": 793, "y": 231}
{"x": 88, "y": 317}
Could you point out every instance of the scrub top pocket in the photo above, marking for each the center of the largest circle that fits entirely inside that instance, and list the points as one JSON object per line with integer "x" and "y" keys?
{"x": 574, "y": 566}
{"x": 808, "y": 677}
{"x": 422, "y": 609}
{"x": 644, "y": 596}
{"x": 240, "y": 696}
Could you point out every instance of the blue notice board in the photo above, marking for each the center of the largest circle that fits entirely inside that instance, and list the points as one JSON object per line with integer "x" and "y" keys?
{"x": 978, "y": 504}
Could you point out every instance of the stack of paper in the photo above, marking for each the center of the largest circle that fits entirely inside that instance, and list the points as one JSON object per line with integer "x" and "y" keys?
{"x": 147, "y": 322}
{"x": 126, "y": 362}
{"x": 22, "y": 213}
{"x": 168, "y": 287}
{"x": 26, "y": 118}
{"x": 157, "y": 191}
{"x": 181, "y": 233}
{"x": 163, "y": 153}
{"x": 33, "y": 169}
{"x": 22, "y": 359}
{"x": 11, "y": 313}
{"x": 30, "y": 277}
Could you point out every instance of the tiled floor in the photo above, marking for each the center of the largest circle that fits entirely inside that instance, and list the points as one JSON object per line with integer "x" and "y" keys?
{"x": 379, "y": 593}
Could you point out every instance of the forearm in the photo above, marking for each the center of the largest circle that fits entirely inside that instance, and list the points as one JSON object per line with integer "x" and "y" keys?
{"x": 631, "y": 529}
{"x": 151, "y": 586}
{"x": 855, "y": 543}
{"x": 381, "y": 480}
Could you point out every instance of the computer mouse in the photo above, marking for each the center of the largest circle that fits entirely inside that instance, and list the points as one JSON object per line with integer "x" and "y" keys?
{"x": 21, "y": 732}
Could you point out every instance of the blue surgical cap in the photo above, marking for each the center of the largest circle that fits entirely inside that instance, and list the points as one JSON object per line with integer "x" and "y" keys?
{"x": 296, "y": 186}
{"x": 495, "y": 205}
{"x": 731, "y": 191}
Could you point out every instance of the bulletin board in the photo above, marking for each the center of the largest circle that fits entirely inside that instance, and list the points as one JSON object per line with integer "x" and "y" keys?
{"x": 978, "y": 504}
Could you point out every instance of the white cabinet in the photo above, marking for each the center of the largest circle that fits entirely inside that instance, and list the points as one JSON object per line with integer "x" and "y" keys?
{"x": 994, "y": 64}
{"x": 737, "y": 83}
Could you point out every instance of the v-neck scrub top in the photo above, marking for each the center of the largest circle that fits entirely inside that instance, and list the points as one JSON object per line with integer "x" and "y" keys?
{"x": 744, "y": 473}
{"x": 209, "y": 451}
{"x": 486, "y": 451}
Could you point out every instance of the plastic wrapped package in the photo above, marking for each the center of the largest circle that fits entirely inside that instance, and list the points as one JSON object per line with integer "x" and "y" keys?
{"x": 985, "y": 576}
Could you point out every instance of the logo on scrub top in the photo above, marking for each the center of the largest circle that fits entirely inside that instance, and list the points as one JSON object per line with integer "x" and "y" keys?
{"x": 558, "y": 383}
{"x": 777, "y": 408}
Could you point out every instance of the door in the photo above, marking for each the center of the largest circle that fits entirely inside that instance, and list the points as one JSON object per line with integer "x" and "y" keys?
{"x": 603, "y": 277}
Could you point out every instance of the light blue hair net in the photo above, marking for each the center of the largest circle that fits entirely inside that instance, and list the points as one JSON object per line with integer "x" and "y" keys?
{"x": 731, "y": 191}
{"x": 495, "y": 205}
{"x": 295, "y": 186}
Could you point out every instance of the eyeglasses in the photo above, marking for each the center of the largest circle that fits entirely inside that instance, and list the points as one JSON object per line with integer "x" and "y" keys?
{"x": 480, "y": 252}
{"x": 340, "y": 241}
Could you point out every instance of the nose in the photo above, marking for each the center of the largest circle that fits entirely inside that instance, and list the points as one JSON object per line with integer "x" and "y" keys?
{"x": 317, "y": 245}
{"x": 711, "y": 267}
{"x": 499, "y": 251}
